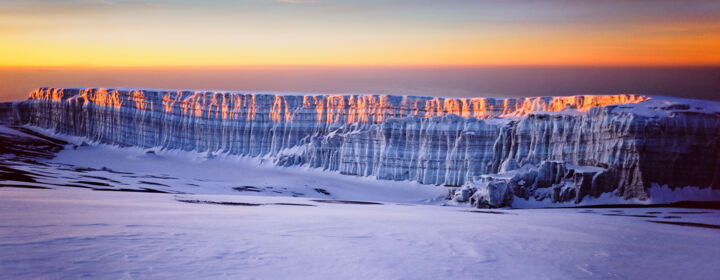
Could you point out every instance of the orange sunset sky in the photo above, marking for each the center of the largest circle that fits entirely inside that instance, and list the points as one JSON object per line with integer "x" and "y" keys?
{"x": 109, "y": 33}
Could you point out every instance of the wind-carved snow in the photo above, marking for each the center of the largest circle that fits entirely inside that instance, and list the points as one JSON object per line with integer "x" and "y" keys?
{"x": 631, "y": 141}
{"x": 72, "y": 233}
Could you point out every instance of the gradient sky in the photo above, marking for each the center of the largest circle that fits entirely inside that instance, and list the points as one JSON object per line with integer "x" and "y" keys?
{"x": 101, "y": 33}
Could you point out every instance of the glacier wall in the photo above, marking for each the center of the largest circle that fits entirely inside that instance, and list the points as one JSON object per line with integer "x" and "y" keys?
{"x": 638, "y": 141}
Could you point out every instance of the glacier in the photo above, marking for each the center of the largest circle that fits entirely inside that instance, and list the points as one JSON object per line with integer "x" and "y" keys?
{"x": 488, "y": 151}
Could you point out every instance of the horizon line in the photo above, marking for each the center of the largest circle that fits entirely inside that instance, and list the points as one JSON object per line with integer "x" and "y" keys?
{"x": 358, "y": 66}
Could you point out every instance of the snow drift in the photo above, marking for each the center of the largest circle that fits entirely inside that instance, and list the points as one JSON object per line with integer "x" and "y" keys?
{"x": 559, "y": 149}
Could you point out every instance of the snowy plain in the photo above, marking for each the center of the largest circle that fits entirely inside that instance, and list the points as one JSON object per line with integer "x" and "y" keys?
{"x": 195, "y": 173}
{"x": 74, "y": 233}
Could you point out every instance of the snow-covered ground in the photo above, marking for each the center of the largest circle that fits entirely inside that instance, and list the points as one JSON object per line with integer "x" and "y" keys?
{"x": 229, "y": 217}
{"x": 76, "y": 233}
{"x": 188, "y": 172}
{"x": 28, "y": 160}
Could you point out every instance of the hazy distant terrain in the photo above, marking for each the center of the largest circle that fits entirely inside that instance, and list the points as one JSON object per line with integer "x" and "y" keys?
{"x": 691, "y": 82}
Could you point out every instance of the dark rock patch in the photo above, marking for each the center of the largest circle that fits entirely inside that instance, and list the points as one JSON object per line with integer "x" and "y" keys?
{"x": 346, "y": 202}
{"x": 625, "y": 215}
{"x": 486, "y": 212}
{"x": 76, "y": 186}
{"x": 680, "y": 204}
{"x": 153, "y": 183}
{"x": 322, "y": 191}
{"x": 291, "y": 204}
{"x": 102, "y": 178}
{"x": 93, "y": 183}
{"x": 113, "y": 171}
{"x": 163, "y": 177}
{"x": 143, "y": 190}
{"x": 687, "y": 224}
{"x": 247, "y": 189}
{"x": 195, "y": 201}
{"x": 84, "y": 169}
{"x": 642, "y": 216}
{"x": 12, "y": 174}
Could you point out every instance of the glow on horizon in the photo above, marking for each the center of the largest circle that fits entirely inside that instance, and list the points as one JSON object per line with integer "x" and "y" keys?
{"x": 102, "y": 33}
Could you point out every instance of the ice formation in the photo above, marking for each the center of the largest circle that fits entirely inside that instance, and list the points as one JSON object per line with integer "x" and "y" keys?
{"x": 561, "y": 148}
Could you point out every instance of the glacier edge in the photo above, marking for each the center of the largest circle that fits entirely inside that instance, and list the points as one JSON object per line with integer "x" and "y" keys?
{"x": 633, "y": 142}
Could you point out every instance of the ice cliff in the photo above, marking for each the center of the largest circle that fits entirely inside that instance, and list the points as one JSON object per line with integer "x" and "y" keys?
{"x": 557, "y": 149}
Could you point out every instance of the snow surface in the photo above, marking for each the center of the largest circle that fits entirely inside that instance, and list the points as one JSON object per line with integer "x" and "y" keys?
{"x": 195, "y": 173}
{"x": 75, "y": 233}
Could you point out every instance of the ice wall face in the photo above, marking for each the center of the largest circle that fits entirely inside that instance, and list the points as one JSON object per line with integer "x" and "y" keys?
{"x": 446, "y": 141}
